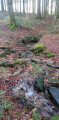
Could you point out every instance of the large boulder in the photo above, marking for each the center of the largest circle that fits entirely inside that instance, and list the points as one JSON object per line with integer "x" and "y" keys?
{"x": 38, "y": 48}
{"x": 36, "y": 60}
{"x": 30, "y": 39}
{"x": 54, "y": 94}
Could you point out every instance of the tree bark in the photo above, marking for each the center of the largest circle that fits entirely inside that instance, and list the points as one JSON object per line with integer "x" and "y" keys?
{"x": 20, "y": 6}
{"x": 23, "y": 6}
{"x": 57, "y": 9}
{"x": 39, "y": 7}
{"x": 11, "y": 13}
{"x": 2, "y": 6}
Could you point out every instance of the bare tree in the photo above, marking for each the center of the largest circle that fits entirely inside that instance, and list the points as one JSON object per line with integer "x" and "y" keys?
{"x": 11, "y": 13}
{"x": 39, "y": 8}
{"x": 33, "y": 6}
{"x": 2, "y": 6}
{"x": 23, "y": 6}
{"x": 57, "y": 9}
{"x": 20, "y": 5}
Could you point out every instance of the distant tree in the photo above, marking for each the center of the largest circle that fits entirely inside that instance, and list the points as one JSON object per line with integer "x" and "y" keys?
{"x": 57, "y": 9}
{"x": 26, "y": 9}
{"x": 23, "y": 6}
{"x": 20, "y": 6}
{"x": 51, "y": 6}
{"x": 11, "y": 14}
{"x": 39, "y": 8}
{"x": 33, "y": 6}
{"x": 2, "y": 6}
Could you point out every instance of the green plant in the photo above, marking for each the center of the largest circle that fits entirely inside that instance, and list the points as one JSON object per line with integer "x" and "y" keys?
{"x": 8, "y": 43}
{"x": 50, "y": 55}
{"x": 36, "y": 67}
{"x": 38, "y": 48}
{"x": 56, "y": 117}
{"x": 12, "y": 26}
{"x": 3, "y": 104}
{"x": 35, "y": 116}
{"x": 38, "y": 17}
{"x": 17, "y": 113}
{"x": 4, "y": 70}
{"x": 47, "y": 52}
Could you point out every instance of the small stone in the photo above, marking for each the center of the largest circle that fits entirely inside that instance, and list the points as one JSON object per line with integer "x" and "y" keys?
{"x": 16, "y": 73}
{"x": 54, "y": 93}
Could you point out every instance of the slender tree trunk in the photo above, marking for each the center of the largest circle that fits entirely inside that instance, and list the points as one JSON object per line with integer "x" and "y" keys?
{"x": 2, "y": 6}
{"x": 51, "y": 6}
{"x": 39, "y": 8}
{"x": 20, "y": 6}
{"x": 23, "y": 6}
{"x": 33, "y": 6}
{"x": 26, "y": 9}
{"x": 57, "y": 9}
{"x": 11, "y": 14}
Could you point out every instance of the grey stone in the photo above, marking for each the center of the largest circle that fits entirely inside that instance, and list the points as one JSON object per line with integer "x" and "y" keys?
{"x": 54, "y": 93}
{"x": 39, "y": 83}
{"x": 36, "y": 60}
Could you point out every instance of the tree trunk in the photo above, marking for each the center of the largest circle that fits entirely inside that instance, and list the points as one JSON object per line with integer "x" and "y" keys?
{"x": 23, "y": 6}
{"x": 39, "y": 8}
{"x": 11, "y": 14}
{"x": 33, "y": 6}
{"x": 26, "y": 9}
{"x": 51, "y": 6}
{"x": 2, "y": 6}
{"x": 57, "y": 9}
{"x": 20, "y": 6}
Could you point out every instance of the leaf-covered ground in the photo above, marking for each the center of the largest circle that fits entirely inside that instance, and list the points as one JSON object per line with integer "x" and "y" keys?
{"x": 11, "y": 38}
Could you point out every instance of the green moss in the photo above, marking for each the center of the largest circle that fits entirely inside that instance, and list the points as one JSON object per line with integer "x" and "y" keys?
{"x": 20, "y": 53}
{"x": 56, "y": 117}
{"x": 38, "y": 48}
{"x": 17, "y": 113}
{"x": 53, "y": 54}
{"x": 20, "y": 61}
{"x": 50, "y": 55}
{"x": 2, "y": 47}
{"x": 47, "y": 52}
{"x": 35, "y": 116}
{"x": 48, "y": 64}
{"x": 12, "y": 25}
{"x": 30, "y": 38}
{"x": 8, "y": 65}
{"x": 38, "y": 17}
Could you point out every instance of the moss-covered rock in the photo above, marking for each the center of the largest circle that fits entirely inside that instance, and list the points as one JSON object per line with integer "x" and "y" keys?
{"x": 20, "y": 61}
{"x": 38, "y": 48}
{"x": 7, "y": 49}
{"x": 30, "y": 38}
{"x": 47, "y": 51}
{"x": 36, "y": 60}
{"x": 50, "y": 55}
{"x": 3, "y": 47}
{"x": 6, "y": 64}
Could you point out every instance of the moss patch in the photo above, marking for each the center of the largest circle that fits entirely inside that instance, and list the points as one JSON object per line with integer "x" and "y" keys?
{"x": 47, "y": 51}
{"x": 50, "y": 55}
{"x": 56, "y": 117}
{"x": 30, "y": 38}
{"x": 38, "y": 48}
{"x": 20, "y": 61}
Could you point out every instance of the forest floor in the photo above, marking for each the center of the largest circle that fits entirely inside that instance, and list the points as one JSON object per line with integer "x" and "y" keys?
{"x": 15, "y": 80}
